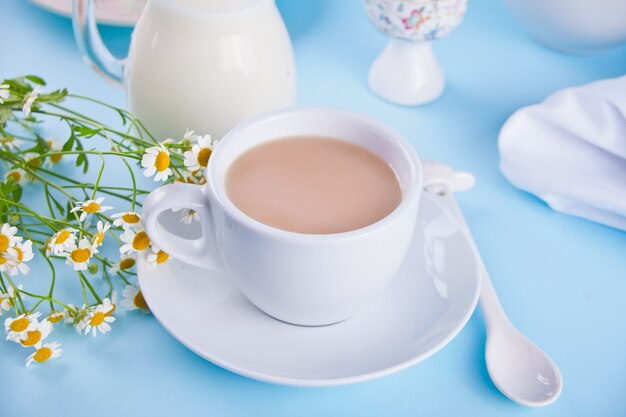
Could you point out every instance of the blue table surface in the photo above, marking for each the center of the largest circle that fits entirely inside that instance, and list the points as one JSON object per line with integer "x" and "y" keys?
{"x": 561, "y": 279}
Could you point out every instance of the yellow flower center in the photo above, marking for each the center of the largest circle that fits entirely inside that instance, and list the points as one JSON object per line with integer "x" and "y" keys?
{"x": 5, "y": 299}
{"x": 3, "y": 260}
{"x": 81, "y": 255}
{"x": 19, "y": 325}
{"x": 92, "y": 207}
{"x": 32, "y": 338}
{"x": 54, "y": 158}
{"x": 130, "y": 218}
{"x": 99, "y": 238}
{"x": 162, "y": 161}
{"x": 43, "y": 354}
{"x": 62, "y": 237}
{"x": 141, "y": 241}
{"x": 139, "y": 301}
{"x": 97, "y": 319}
{"x": 203, "y": 156}
{"x": 15, "y": 176}
{"x": 55, "y": 317}
{"x": 20, "y": 254}
{"x": 162, "y": 257}
{"x": 4, "y": 242}
{"x": 127, "y": 263}
{"x": 35, "y": 162}
{"x": 111, "y": 311}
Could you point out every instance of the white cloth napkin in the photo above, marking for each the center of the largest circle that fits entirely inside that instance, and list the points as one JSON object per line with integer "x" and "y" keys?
{"x": 570, "y": 151}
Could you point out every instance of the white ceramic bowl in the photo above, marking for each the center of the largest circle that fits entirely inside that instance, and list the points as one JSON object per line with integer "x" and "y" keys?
{"x": 578, "y": 26}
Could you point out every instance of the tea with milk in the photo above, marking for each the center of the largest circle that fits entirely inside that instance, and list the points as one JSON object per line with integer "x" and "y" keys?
{"x": 313, "y": 185}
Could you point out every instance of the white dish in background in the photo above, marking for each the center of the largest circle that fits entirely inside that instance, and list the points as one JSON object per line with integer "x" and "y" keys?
{"x": 429, "y": 302}
{"x": 573, "y": 26}
{"x": 110, "y": 12}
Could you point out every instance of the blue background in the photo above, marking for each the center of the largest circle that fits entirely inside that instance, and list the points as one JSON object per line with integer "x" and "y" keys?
{"x": 561, "y": 279}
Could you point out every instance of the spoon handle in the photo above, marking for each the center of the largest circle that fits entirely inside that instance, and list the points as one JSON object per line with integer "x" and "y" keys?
{"x": 492, "y": 310}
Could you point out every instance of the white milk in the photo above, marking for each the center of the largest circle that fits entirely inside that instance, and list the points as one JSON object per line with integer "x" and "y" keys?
{"x": 208, "y": 64}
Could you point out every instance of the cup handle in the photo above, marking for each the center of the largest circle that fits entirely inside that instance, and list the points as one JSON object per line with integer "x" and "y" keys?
{"x": 200, "y": 252}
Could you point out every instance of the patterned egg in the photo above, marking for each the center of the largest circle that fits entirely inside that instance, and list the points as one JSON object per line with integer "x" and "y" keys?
{"x": 416, "y": 20}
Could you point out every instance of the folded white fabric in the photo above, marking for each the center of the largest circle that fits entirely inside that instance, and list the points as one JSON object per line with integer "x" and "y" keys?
{"x": 570, "y": 151}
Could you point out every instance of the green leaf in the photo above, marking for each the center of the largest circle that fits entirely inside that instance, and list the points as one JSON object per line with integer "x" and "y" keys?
{"x": 82, "y": 158}
{"x": 5, "y": 114}
{"x": 19, "y": 85}
{"x": 123, "y": 116}
{"x": 68, "y": 207}
{"x": 56, "y": 96}
{"x": 69, "y": 144}
{"x": 35, "y": 79}
{"x": 41, "y": 146}
{"x": 17, "y": 193}
{"x": 58, "y": 205}
{"x": 84, "y": 131}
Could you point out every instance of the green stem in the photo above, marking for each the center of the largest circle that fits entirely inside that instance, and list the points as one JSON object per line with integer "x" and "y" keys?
{"x": 95, "y": 188}
{"x": 91, "y": 289}
{"x": 16, "y": 291}
{"x": 48, "y": 298}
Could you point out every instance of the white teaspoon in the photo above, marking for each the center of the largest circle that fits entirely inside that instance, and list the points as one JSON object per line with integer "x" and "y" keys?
{"x": 519, "y": 369}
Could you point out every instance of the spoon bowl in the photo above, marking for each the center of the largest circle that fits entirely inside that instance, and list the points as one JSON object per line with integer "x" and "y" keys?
{"x": 520, "y": 370}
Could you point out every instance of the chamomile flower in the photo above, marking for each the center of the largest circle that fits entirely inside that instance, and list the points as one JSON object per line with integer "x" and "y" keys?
{"x": 18, "y": 327}
{"x": 157, "y": 256}
{"x": 98, "y": 237}
{"x": 22, "y": 252}
{"x": 54, "y": 147}
{"x": 189, "y": 138}
{"x": 4, "y": 92}
{"x": 10, "y": 142}
{"x": 157, "y": 160}
{"x": 79, "y": 257}
{"x": 62, "y": 241}
{"x": 97, "y": 320}
{"x": 33, "y": 160}
{"x": 127, "y": 219}
{"x": 37, "y": 335}
{"x": 110, "y": 304}
{"x": 7, "y": 237}
{"x": 90, "y": 207}
{"x": 195, "y": 177}
{"x": 45, "y": 353}
{"x": 29, "y": 100}
{"x": 133, "y": 299}
{"x": 8, "y": 261}
{"x": 76, "y": 316}
{"x": 18, "y": 176}
{"x": 198, "y": 156}
{"x": 6, "y": 299}
{"x": 188, "y": 215}
{"x": 5, "y": 302}
{"x": 136, "y": 241}
{"x": 56, "y": 316}
{"x": 126, "y": 262}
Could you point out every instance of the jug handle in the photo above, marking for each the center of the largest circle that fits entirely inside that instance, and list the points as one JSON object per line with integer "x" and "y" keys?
{"x": 90, "y": 43}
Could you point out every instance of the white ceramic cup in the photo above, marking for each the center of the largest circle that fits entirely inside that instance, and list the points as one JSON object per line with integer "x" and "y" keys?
{"x": 304, "y": 279}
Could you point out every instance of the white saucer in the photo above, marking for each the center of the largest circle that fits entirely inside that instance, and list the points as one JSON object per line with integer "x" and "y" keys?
{"x": 427, "y": 304}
